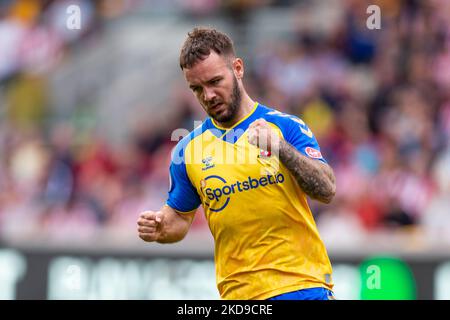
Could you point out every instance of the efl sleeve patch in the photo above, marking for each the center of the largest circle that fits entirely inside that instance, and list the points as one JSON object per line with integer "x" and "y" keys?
{"x": 313, "y": 153}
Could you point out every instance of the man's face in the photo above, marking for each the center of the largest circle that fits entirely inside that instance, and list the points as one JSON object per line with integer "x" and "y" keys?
{"x": 214, "y": 84}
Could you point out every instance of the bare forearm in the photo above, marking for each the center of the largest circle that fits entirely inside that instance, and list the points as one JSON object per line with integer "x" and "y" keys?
{"x": 171, "y": 235}
{"x": 315, "y": 178}
{"x": 174, "y": 226}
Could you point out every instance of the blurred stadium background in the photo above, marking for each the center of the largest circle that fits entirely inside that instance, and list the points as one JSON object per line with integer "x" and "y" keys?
{"x": 86, "y": 118}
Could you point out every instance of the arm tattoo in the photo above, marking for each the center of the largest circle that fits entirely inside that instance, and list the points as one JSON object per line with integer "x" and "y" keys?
{"x": 314, "y": 177}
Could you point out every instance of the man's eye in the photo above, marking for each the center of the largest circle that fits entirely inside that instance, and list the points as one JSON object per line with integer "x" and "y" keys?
{"x": 216, "y": 81}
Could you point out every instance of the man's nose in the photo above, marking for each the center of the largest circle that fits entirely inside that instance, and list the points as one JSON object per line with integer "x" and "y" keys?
{"x": 209, "y": 94}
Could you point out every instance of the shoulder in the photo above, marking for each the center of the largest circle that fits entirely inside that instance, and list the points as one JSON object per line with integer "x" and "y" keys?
{"x": 284, "y": 121}
{"x": 273, "y": 115}
{"x": 295, "y": 131}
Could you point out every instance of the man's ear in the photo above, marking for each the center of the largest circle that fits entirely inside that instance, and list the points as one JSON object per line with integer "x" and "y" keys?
{"x": 238, "y": 68}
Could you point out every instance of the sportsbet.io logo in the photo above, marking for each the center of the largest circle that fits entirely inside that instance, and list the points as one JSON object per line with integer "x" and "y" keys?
{"x": 218, "y": 198}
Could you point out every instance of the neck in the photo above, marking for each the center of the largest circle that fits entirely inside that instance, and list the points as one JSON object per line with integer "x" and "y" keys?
{"x": 246, "y": 106}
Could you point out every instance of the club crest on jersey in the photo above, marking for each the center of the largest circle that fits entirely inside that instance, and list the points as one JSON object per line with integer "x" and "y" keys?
{"x": 264, "y": 154}
{"x": 207, "y": 163}
{"x": 313, "y": 153}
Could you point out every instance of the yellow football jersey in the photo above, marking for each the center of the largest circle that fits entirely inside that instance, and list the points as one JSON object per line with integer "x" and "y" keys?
{"x": 266, "y": 240}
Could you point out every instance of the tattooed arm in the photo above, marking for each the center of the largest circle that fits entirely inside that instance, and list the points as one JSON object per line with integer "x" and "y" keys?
{"x": 314, "y": 177}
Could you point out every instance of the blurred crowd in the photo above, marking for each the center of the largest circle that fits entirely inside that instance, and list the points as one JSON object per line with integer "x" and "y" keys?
{"x": 378, "y": 102}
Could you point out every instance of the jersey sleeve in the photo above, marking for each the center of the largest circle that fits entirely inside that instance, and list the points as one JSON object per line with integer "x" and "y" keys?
{"x": 297, "y": 133}
{"x": 183, "y": 196}
{"x": 301, "y": 137}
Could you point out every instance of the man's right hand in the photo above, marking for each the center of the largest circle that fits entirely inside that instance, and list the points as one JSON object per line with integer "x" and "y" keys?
{"x": 149, "y": 225}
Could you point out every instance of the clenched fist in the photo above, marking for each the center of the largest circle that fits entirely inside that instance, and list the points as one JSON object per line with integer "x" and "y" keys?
{"x": 261, "y": 135}
{"x": 150, "y": 225}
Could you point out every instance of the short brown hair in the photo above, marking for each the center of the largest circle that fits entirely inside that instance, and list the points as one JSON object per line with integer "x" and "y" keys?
{"x": 199, "y": 43}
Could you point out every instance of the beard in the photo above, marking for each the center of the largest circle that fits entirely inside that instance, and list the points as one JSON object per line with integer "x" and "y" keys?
{"x": 232, "y": 108}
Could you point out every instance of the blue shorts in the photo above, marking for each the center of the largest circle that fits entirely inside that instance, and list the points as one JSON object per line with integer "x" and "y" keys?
{"x": 306, "y": 294}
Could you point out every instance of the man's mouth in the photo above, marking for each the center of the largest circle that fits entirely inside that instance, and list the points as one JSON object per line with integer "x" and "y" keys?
{"x": 216, "y": 106}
